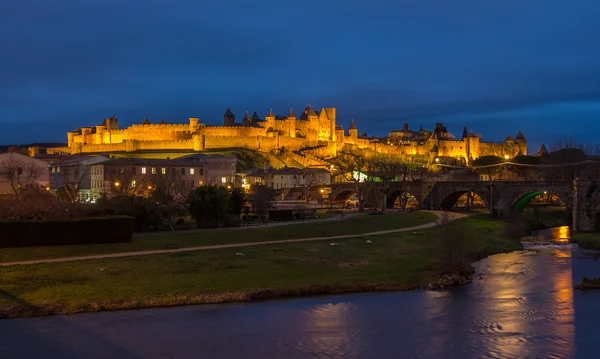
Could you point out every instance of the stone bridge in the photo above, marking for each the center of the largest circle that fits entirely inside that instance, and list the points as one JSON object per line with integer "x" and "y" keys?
{"x": 581, "y": 198}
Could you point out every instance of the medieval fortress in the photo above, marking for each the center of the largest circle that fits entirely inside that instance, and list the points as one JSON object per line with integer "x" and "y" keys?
{"x": 317, "y": 133}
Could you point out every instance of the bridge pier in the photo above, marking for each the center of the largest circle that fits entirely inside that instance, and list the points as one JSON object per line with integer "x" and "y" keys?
{"x": 584, "y": 211}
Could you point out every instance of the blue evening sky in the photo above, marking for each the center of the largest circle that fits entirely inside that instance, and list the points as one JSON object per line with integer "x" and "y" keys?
{"x": 494, "y": 66}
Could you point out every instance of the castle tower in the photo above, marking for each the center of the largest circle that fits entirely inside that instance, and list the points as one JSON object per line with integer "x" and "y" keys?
{"x": 291, "y": 120}
{"x": 246, "y": 121}
{"x": 353, "y": 131}
{"x": 311, "y": 116}
{"x": 465, "y": 133}
{"x": 228, "y": 118}
{"x": 331, "y": 113}
{"x": 193, "y": 124}
{"x": 509, "y": 147}
{"x": 270, "y": 120}
{"x": 521, "y": 143}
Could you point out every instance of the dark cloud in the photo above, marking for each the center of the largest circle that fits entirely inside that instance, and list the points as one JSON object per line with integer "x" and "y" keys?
{"x": 488, "y": 64}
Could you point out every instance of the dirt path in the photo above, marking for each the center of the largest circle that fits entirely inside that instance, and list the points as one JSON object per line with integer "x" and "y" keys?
{"x": 452, "y": 217}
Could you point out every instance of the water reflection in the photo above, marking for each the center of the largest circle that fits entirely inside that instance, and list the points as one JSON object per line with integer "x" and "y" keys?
{"x": 558, "y": 235}
{"x": 528, "y": 301}
{"x": 523, "y": 306}
{"x": 329, "y": 334}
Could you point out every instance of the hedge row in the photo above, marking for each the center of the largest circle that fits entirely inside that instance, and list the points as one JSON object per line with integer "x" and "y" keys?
{"x": 90, "y": 230}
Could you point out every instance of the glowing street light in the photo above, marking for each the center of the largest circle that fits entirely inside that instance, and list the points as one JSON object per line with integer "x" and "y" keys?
{"x": 437, "y": 160}
{"x": 506, "y": 157}
{"x": 117, "y": 184}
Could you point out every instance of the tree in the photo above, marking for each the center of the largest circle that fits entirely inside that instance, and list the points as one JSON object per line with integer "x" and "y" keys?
{"x": 237, "y": 198}
{"x": 488, "y": 165}
{"x": 21, "y": 175}
{"x": 589, "y": 149}
{"x": 382, "y": 171}
{"x": 73, "y": 178}
{"x": 349, "y": 165}
{"x": 309, "y": 178}
{"x": 564, "y": 164}
{"x": 209, "y": 205}
{"x": 261, "y": 197}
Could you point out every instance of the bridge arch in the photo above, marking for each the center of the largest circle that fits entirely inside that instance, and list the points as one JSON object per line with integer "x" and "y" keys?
{"x": 395, "y": 198}
{"x": 523, "y": 198}
{"x": 450, "y": 199}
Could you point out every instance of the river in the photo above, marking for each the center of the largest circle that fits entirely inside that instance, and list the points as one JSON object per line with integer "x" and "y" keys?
{"x": 521, "y": 306}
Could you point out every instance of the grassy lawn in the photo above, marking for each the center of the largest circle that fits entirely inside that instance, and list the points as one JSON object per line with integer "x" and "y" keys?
{"x": 157, "y": 240}
{"x": 587, "y": 240}
{"x": 396, "y": 261}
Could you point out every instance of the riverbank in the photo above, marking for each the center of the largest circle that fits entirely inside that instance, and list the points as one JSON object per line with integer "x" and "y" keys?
{"x": 587, "y": 240}
{"x": 394, "y": 261}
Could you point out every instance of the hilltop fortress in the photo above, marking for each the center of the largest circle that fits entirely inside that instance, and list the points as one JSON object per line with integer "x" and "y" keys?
{"x": 313, "y": 133}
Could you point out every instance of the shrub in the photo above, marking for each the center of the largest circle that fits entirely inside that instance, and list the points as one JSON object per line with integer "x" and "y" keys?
{"x": 281, "y": 214}
{"x": 231, "y": 220}
{"x": 23, "y": 233}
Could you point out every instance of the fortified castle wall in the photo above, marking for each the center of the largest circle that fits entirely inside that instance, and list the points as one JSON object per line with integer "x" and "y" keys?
{"x": 315, "y": 132}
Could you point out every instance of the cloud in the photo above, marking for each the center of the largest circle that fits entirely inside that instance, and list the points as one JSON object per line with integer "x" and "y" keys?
{"x": 380, "y": 61}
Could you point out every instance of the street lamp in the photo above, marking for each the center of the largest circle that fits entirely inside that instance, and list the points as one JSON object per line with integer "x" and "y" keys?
{"x": 437, "y": 160}
{"x": 506, "y": 157}
{"x": 117, "y": 184}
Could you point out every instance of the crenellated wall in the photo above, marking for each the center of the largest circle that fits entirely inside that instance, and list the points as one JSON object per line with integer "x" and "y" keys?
{"x": 312, "y": 136}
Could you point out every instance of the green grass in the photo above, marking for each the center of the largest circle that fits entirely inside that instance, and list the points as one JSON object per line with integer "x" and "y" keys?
{"x": 396, "y": 261}
{"x": 157, "y": 240}
{"x": 587, "y": 240}
{"x": 548, "y": 216}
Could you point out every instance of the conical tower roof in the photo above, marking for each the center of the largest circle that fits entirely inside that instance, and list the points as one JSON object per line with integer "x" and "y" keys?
{"x": 246, "y": 116}
{"x": 508, "y": 139}
{"x": 271, "y": 114}
{"x": 520, "y": 136}
{"x": 291, "y": 114}
{"x": 352, "y": 125}
{"x": 543, "y": 151}
{"x": 228, "y": 112}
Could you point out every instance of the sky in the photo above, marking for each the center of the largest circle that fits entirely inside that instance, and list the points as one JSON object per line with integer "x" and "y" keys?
{"x": 496, "y": 67}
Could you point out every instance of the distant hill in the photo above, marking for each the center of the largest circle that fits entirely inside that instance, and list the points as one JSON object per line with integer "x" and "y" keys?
{"x": 4, "y": 148}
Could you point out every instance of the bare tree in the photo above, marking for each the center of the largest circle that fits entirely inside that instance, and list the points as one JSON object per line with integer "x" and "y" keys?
{"x": 309, "y": 178}
{"x": 590, "y": 149}
{"x": 350, "y": 165}
{"x": 383, "y": 170}
{"x": 20, "y": 174}
{"x": 73, "y": 178}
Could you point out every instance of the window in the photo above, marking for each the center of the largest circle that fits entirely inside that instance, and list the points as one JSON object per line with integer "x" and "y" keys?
{"x": 200, "y": 183}
{"x": 143, "y": 170}
{"x": 53, "y": 169}
{"x": 132, "y": 183}
{"x": 183, "y": 171}
{"x": 153, "y": 170}
{"x": 201, "y": 171}
{"x": 163, "y": 171}
{"x": 173, "y": 171}
{"x": 191, "y": 171}
{"x": 133, "y": 170}
{"x": 192, "y": 183}
{"x": 223, "y": 179}
{"x": 57, "y": 169}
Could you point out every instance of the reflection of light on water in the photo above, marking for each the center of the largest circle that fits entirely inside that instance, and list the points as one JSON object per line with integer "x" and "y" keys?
{"x": 558, "y": 235}
{"x": 521, "y": 309}
{"x": 329, "y": 330}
